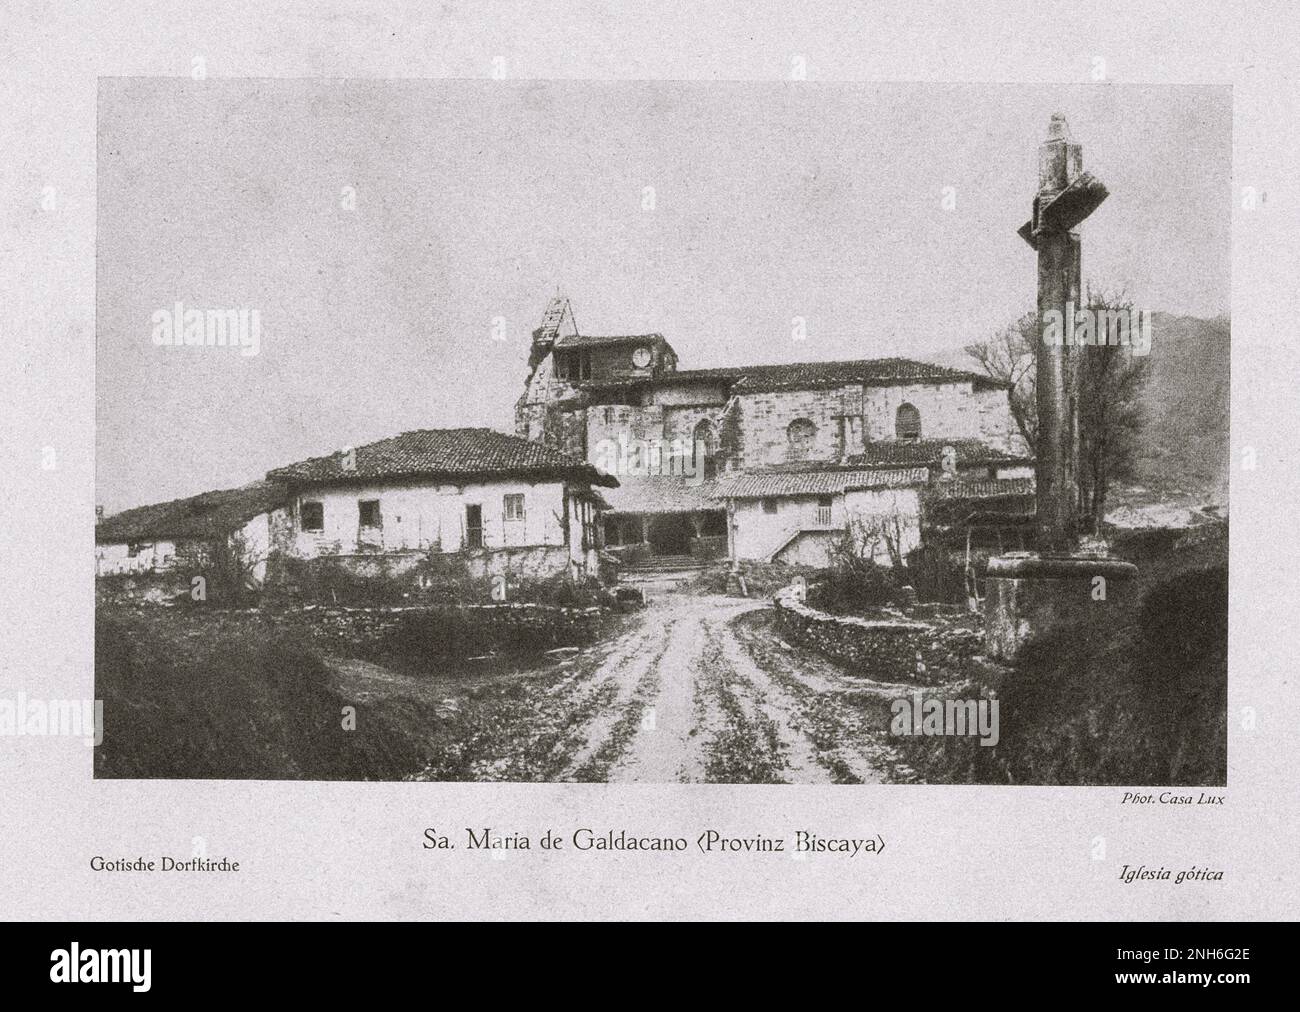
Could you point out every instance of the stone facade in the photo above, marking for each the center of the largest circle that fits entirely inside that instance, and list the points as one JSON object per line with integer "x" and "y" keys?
{"x": 957, "y": 410}
{"x": 758, "y": 418}
{"x": 766, "y": 420}
{"x": 614, "y": 400}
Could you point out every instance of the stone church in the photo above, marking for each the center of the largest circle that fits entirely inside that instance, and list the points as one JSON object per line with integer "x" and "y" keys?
{"x": 773, "y": 462}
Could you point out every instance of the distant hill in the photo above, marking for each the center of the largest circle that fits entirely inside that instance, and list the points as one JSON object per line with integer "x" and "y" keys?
{"x": 1186, "y": 447}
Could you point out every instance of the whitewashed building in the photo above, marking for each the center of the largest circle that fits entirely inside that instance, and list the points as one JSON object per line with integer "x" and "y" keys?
{"x": 501, "y": 503}
{"x": 178, "y": 535}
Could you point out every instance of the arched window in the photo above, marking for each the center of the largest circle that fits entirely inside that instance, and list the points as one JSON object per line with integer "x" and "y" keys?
{"x": 801, "y": 434}
{"x": 907, "y": 423}
{"x": 706, "y": 443}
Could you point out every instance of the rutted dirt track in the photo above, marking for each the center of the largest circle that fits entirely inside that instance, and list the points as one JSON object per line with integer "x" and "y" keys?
{"x": 692, "y": 690}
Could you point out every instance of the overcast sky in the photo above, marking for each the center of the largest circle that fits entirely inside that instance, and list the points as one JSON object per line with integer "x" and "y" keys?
{"x": 479, "y": 199}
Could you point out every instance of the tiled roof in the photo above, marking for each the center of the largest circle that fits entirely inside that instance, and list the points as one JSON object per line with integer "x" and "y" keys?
{"x": 444, "y": 453}
{"x": 725, "y": 373}
{"x": 816, "y": 375}
{"x": 869, "y": 372}
{"x": 898, "y": 453}
{"x": 894, "y": 479}
{"x": 772, "y": 483}
{"x": 662, "y": 494}
{"x": 1006, "y": 500}
{"x": 199, "y": 516}
{"x": 588, "y": 340}
{"x": 982, "y": 489}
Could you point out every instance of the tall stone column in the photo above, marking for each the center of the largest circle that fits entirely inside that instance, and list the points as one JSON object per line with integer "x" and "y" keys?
{"x": 1028, "y": 593}
{"x": 1066, "y": 195}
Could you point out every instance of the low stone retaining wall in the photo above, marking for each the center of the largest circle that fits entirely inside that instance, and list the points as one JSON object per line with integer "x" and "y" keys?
{"x": 473, "y": 627}
{"x": 885, "y": 649}
{"x": 418, "y": 629}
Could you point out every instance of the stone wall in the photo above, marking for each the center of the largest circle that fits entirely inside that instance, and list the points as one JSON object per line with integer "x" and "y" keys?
{"x": 372, "y": 631}
{"x": 892, "y": 649}
{"x": 482, "y": 627}
{"x": 948, "y": 411}
{"x": 765, "y": 423}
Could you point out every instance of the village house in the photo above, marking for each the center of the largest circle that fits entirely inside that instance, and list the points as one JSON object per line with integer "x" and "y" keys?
{"x": 501, "y": 503}
{"x": 182, "y": 535}
{"x": 498, "y": 503}
{"x": 786, "y": 456}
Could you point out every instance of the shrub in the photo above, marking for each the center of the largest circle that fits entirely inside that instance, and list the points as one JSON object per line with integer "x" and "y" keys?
{"x": 857, "y": 588}
{"x": 855, "y": 581}
{"x": 326, "y": 581}
{"x": 562, "y": 591}
{"x": 939, "y": 573}
{"x": 1140, "y": 702}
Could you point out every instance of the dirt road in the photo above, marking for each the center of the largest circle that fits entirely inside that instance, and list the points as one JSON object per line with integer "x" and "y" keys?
{"x": 691, "y": 690}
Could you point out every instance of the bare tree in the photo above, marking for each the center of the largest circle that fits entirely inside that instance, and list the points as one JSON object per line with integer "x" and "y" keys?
{"x": 862, "y": 538}
{"x": 1107, "y": 378}
{"x": 1011, "y": 356}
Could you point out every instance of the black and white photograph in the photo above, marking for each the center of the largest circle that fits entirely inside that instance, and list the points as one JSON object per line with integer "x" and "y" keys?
{"x": 561, "y": 461}
{"x": 662, "y": 432}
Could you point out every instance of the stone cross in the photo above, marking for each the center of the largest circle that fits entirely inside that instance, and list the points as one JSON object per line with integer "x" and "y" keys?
{"x": 1066, "y": 196}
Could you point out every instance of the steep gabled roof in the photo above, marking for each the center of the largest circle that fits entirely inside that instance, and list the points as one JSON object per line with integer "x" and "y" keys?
{"x": 452, "y": 454}
{"x": 196, "y": 517}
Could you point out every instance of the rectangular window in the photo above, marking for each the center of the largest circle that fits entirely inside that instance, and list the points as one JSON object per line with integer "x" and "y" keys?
{"x": 313, "y": 516}
{"x": 573, "y": 365}
{"x": 133, "y": 549}
{"x": 769, "y": 505}
{"x": 824, "y": 510}
{"x": 370, "y": 516}
{"x": 514, "y": 506}
{"x": 473, "y": 526}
